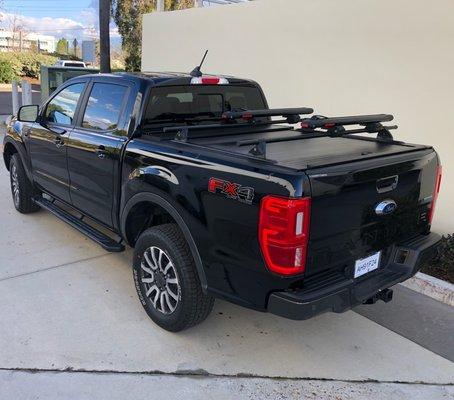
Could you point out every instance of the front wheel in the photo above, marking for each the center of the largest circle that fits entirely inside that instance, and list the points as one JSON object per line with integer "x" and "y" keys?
{"x": 21, "y": 188}
{"x": 166, "y": 279}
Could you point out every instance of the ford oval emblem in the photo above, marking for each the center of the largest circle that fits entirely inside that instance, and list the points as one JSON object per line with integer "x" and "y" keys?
{"x": 386, "y": 207}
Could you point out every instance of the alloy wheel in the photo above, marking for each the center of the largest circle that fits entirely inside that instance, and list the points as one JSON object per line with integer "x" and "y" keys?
{"x": 15, "y": 185}
{"x": 161, "y": 280}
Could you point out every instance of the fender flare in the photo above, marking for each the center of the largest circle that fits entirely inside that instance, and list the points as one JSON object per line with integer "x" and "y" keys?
{"x": 20, "y": 149}
{"x": 166, "y": 205}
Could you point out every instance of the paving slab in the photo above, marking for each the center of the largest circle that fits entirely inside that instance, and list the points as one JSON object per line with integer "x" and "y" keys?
{"x": 86, "y": 316}
{"x": 71, "y": 386}
{"x": 67, "y": 304}
{"x": 36, "y": 241}
{"x": 415, "y": 316}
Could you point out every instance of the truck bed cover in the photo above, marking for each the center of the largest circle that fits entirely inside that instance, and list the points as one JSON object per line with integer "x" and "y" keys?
{"x": 308, "y": 152}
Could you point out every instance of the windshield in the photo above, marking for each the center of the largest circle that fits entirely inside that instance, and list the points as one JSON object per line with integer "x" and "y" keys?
{"x": 200, "y": 102}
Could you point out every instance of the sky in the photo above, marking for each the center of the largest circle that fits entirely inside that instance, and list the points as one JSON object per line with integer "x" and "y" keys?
{"x": 60, "y": 18}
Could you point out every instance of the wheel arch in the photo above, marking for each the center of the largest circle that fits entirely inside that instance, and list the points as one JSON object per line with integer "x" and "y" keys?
{"x": 11, "y": 147}
{"x": 8, "y": 150}
{"x": 156, "y": 200}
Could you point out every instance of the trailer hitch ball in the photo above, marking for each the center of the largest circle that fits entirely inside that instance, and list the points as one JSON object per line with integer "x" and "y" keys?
{"x": 386, "y": 295}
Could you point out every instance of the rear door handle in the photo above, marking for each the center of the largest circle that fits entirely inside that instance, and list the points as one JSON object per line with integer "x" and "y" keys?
{"x": 59, "y": 142}
{"x": 101, "y": 152}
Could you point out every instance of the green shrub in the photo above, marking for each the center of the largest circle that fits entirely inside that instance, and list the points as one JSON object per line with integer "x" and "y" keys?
{"x": 27, "y": 64}
{"x": 443, "y": 265}
{"x": 6, "y": 72}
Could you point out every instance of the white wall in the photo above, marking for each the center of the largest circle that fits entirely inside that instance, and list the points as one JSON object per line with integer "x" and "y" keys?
{"x": 340, "y": 57}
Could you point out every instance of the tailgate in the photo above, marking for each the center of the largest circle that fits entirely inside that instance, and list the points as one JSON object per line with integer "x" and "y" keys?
{"x": 345, "y": 220}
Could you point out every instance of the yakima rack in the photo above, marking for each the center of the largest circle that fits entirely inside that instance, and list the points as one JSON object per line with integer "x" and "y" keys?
{"x": 229, "y": 120}
{"x": 291, "y": 115}
{"x": 320, "y": 126}
{"x": 335, "y": 126}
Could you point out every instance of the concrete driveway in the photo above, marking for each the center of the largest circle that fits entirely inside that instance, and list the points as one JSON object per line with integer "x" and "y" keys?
{"x": 72, "y": 328}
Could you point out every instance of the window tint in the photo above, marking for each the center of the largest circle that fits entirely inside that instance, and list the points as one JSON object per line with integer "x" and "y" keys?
{"x": 104, "y": 106}
{"x": 176, "y": 102}
{"x": 62, "y": 107}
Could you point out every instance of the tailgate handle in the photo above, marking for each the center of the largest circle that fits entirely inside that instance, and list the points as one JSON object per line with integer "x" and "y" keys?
{"x": 387, "y": 184}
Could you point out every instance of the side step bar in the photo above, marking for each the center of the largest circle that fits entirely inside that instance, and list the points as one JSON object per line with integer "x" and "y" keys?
{"x": 97, "y": 236}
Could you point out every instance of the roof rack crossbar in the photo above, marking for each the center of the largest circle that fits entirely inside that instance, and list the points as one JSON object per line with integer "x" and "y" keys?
{"x": 289, "y": 113}
{"x": 229, "y": 120}
{"x": 318, "y": 121}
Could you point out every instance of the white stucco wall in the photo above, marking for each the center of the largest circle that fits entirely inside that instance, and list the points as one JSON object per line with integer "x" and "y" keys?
{"x": 340, "y": 57}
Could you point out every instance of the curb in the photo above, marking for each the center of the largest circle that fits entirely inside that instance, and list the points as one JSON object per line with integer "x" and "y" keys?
{"x": 432, "y": 287}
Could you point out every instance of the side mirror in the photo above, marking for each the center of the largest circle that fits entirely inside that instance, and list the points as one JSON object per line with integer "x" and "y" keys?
{"x": 28, "y": 113}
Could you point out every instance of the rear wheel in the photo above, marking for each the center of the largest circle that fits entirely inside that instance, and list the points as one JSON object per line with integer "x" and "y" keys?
{"x": 166, "y": 279}
{"x": 21, "y": 188}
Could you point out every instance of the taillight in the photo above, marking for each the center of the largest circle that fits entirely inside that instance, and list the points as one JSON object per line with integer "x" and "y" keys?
{"x": 209, "y": 80}
{"x": 435, "y": 194}
{"x": 284, "y": 233}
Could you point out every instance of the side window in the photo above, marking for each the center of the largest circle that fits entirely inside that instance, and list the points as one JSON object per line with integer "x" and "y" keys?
{"x": 104, "y": 106}
{"x": 61, "y": 109}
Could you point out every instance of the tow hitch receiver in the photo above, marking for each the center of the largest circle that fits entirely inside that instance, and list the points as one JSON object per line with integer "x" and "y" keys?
{"x": 386, "y": 295}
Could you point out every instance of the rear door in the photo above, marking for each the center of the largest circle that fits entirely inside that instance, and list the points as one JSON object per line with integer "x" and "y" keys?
{"x": 94, "y": 148}
{"x": 48, "y": 140}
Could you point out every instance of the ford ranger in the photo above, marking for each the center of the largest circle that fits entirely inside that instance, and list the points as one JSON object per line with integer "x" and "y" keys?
{"x": 278, "y": 210}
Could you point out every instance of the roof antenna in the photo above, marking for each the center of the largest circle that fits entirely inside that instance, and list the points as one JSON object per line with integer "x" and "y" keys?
{"x": 196, "y": 71}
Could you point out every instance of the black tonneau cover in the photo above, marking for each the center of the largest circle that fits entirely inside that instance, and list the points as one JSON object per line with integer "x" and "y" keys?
{"x": 308, "y": 152}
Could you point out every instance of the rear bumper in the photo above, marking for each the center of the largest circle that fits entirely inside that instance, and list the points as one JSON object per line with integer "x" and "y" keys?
{"x": 345, "y": 294}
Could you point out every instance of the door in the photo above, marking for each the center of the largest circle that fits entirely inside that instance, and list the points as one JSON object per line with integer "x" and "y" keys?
{"x": 94, "y": 151}
{"x": 48, "y": 139}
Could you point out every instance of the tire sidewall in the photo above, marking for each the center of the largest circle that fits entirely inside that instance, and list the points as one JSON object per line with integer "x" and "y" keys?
{"x": 14, "y": 165}
{"x": 166, "y": 321}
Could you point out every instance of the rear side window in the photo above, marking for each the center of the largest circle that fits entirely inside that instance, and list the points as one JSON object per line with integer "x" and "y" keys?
{"x": 174, "y": 103}
{"x": 61, "y": 109}
{"x": 104, "y": 106}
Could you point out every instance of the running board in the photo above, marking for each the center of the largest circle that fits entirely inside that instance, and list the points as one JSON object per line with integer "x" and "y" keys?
{"x": 106, "y": 242}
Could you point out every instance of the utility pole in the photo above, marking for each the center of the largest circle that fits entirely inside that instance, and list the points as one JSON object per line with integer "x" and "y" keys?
{"x": 75, "y": 43}
{"x": 104, "y": 35}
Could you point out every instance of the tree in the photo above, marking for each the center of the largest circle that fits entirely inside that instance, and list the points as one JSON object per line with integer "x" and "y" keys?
{"x": 62, "y": 46}
{"x": 127, "y": 14}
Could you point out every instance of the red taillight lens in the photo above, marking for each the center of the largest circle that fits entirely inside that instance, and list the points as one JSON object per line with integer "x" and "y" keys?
{"x": 284, "y": 233}
{"x": 436, "y": 191}
{"x": 209, "y": 80}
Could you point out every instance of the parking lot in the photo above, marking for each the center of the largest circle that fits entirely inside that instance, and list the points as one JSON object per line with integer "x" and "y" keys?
{"x": 70, "y": 318}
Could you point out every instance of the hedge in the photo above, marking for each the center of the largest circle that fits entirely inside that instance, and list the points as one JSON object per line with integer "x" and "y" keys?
{"x": 443, "y": 265}
{"x": 6, "y": 72}
{"x": 27, "y": 64}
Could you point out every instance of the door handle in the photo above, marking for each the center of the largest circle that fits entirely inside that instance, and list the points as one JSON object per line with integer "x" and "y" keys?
{"x": 59, "y": 142}
{"x": 101, "y": 152}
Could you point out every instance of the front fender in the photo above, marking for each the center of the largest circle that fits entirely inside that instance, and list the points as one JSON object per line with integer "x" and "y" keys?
{"x": 13, "y": 143}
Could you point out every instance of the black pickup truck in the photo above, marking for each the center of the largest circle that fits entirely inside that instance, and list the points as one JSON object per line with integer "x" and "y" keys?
{"x": 221, "y": 196}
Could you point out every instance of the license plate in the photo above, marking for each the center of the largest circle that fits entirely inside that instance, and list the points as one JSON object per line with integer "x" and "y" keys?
{"x": 367, "y": 264}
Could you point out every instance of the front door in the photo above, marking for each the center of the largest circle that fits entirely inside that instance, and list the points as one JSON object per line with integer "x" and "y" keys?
{"x": 94, "y": 151}
{"x": 48, "y": 140}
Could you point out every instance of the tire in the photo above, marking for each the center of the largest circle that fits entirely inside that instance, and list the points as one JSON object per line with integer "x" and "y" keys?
{"x": 166, "y": 279}
{"x": 21, "y": 188}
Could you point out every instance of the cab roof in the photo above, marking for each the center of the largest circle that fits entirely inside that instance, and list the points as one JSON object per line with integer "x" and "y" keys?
{"x": 167, "y": 78}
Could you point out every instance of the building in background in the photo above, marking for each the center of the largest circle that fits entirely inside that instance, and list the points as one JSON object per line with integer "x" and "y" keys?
{"x": 26, "y": 41}
{"x": 89, "y": 51}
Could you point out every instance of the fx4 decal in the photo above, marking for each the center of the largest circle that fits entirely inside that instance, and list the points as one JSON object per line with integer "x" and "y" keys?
{"x": 231, "y": 190}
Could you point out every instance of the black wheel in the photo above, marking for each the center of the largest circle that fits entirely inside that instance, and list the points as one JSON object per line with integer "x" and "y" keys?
{"x": 21, "y": 187}
{"x": 166, "y": 279}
